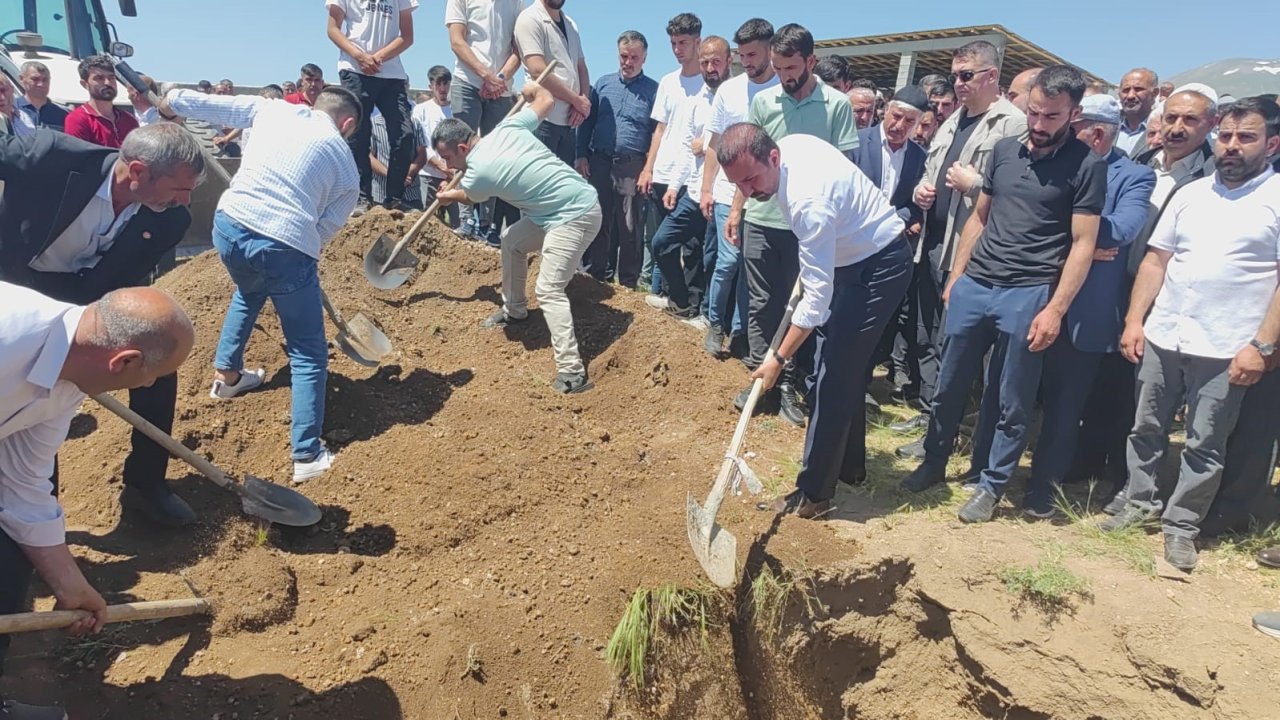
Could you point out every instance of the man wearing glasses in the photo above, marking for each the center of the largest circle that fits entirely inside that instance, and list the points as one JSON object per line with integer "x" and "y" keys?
{"x": 947, "y": 192}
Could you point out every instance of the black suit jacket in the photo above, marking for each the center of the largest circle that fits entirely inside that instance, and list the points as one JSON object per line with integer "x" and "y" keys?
{"x": 49, "y": 178}
{"x": 867, "y": 157}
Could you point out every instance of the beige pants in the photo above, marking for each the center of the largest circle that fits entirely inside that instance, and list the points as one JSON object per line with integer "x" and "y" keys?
{"x": 561, "y": 248}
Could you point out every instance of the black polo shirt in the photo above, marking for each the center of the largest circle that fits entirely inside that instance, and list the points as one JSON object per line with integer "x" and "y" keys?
{"x": 1028, "y": 231}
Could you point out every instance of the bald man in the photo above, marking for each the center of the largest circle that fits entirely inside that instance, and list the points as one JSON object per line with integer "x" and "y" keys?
{"x": 1021, "y": 87}
{"x": 52, "y": 355}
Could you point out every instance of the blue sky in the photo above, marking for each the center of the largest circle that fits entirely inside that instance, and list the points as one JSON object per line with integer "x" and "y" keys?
{"x": 259, "y": 41}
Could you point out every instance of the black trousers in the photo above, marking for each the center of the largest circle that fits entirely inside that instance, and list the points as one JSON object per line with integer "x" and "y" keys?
{"x": 618, "y": 247}
{"x": 15, "y": 576}
{"x": 559, "y": 139}
{"x": 390, "y": 96}
{"x": 927, "y": 287}
{"x": 148, "y": 463}
{"x": 1245, "y": 495}
{"x": 771, "y": 259}
{"x": 1104, "y": 428}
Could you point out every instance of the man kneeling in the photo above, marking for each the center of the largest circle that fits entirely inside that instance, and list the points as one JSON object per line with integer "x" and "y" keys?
{"x": 561, "y": 217}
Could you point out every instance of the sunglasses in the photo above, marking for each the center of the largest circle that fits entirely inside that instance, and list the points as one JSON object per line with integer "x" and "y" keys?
{"x": 966, "y": 75}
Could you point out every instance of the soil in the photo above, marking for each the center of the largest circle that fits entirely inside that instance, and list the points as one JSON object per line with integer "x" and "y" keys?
{"x": 482, "y": 535}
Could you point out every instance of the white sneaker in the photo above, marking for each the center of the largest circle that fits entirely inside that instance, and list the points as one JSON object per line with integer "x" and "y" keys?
{"x": 249, "y": 379}
{"x": 657, "y": 302}
{"x": 304, "y": 471}
{"x": 701, "y": 322}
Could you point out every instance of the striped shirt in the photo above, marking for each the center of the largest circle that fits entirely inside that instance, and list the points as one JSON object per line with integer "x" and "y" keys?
{"x": 297, "y": 182}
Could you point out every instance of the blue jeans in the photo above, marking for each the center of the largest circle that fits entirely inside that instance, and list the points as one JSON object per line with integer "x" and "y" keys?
{"x": 264, "y": 268}
{"x": 727, "y": 289}
{"x": 979, "y": 317}
{"x": 678, "y": 252}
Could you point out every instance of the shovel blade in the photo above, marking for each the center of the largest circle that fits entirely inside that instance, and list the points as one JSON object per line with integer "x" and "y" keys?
{"x": 277, "y": 503}
{"x": 715, "y": 547}
{"x": 397, "y": 273}
{"x": 366, "y": 344}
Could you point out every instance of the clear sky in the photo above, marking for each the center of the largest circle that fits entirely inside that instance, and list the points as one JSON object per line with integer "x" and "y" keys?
{"x": 260, "y": 41}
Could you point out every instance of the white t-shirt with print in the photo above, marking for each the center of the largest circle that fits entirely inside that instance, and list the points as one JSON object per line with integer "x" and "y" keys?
{"x": 673, "y": 90}
{"x": 372, "y": 25}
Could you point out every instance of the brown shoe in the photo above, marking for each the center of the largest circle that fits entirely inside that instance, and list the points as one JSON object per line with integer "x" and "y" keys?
{"x": 797, "y": 504}
{"x": 1270, "y": 557}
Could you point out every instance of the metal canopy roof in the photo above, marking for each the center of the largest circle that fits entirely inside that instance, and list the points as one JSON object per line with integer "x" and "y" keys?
{"x": 876, "y": 57}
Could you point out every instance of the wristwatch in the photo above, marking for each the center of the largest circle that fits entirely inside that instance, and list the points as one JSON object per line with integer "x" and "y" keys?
{"x": 784, "y": 362}
{"x": 1264, "y": 349}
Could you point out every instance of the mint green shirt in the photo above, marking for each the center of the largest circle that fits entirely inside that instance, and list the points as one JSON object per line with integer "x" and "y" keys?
{"x": 512, "y": 164}
{"x": 824, "y": 114}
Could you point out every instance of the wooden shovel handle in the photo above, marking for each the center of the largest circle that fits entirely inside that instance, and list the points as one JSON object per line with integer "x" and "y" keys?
{"x": 453, "y": 183}
{"x": 126, "y": 612}
{"x": 164, "y": 440}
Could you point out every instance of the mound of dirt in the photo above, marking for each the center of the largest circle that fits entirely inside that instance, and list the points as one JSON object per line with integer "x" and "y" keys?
{"x": 250, "y": 585}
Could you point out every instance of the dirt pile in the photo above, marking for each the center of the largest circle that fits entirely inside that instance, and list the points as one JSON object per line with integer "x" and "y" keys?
{"x": 482, "y": 535}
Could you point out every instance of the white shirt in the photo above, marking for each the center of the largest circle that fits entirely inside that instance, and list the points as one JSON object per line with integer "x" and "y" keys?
{"x": 838, "y": 215}
{"x": 490, "y": 27}
{"x": 673, "y": 89}
{"x": 36, "y": 409}
{"x": 372, "y": 25}
{"x": 690, "y": 123}
{"x": 733, "y": 101}
{"x": 1223, "y": 273}
{"x": 297, "y": 182}
{"x": 1166, "y": 180}
{"x": 890, "y": 163}
{"x": 426, "y": 118}
{"x": 537, "y": 34}
{"x": 89, "y": 236}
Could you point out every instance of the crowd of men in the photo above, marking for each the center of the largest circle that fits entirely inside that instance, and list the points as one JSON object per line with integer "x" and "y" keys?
{"x": 1110, "y": 263}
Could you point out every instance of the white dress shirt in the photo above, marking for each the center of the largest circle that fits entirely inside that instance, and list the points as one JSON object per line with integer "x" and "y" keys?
{"x": 36, "y": 409}
{"x": 838, "y": 215}
{"x": 890, "y": 163}
{"x": 1223, "y": 273}
{"x": 1166, "y": 180}
{"x": 297, "y": 182}
{"x": 89, "y": 236}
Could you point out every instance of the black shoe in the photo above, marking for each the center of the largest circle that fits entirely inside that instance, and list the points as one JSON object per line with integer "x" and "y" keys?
{"x": 569, "y": 383}
{"x": 1180, "y": 552}
{"x": 713, "y": 341}
{"x": 924, "y": 477}
{"x": 738, "y": 346}
{"x": 766, "y": 403}
{"x": 795, "y": 503}
{"x": 1269, "y": 557}
{"x": 792, "y": 409}
{"x": 918, "y": 422}
{"x": 855, "y": 478}
{"x": 1116, "y": 504}
{"x": 392, "y": 204}
{"x": 873, "y": 405}
{"x": 1129, "y": 516}
{"x": 167, "y": 510}
{"x": 500, "y": 319}
{"x": 911, "y": 451}
{"x": 980, "y": 507}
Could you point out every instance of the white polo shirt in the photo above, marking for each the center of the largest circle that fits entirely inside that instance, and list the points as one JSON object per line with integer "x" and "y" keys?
{"x": 732, "y": 103}
{"x": 36, "y": 409}
{"x": 1223, "y": 273}
{"x": 537, "y": 34}
{"x": 838, "y": 215}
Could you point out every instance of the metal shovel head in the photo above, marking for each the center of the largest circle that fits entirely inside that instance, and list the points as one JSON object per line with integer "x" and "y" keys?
{"x": 715, "y": 547}
{"x": 277, "y": 503}
{"x": 366, "y": 344}
{"x": 398, "y": 272}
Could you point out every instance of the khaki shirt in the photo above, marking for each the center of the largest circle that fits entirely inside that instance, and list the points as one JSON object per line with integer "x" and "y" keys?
{"x": 537, "y": 34}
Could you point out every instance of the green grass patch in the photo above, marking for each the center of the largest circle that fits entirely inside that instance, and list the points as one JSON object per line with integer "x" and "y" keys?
{"x": 770, "y": 595}
{"x": 1049, "y": 584}
{"x": 651, "y": 615}
{"x": 1130, "y": 545}
{"x": 1258, "y": 537}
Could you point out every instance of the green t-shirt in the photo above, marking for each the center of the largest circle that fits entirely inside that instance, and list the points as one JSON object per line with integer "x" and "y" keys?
{"x": 512, "y": 164}
{"x": 824, "y": 114}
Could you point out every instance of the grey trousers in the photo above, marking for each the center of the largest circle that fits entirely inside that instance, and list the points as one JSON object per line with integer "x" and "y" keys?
{"x": 1165, "y": 378}
{"x": 483, "y": 116}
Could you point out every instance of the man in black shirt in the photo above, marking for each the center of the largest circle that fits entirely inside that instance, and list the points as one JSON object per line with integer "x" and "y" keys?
{"x": 1022, "y": 257}
{"x": 34, "y": 105}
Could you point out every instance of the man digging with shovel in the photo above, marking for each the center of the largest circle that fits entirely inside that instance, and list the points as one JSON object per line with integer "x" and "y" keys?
{"x": 561, "y": 216}
{"x": 51, "y": 355}
{"x": 296, "y": 187}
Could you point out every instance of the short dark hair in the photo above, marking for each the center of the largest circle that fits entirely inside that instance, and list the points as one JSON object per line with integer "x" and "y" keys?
{"x": 1058, "y": 79}
{"x": 791, "y": 39}
{"x": 744, "y": 139}
{"x": 226, "y": 81}
{"x": 96, "y": 62}
{"x": 865, "y": 83}
{"x": 1256, "y": 105}
{"x": 978, "y": 50}
{"x": 942, "y": 89}
{"x": 339, "y": 101}
{"x": 633, "y": 36}
{"x": 832, "y": 69}
{"x": 1268, "y": 96}
{"x": 311, "y": 70}
{"x": 272, "y": 92}
{"x": 685, "y": 24}
{"x": 452, "y": 132}
{"x": 438, "y": 73}
{"x": 754, "y": 30}
{"x": 204, "y": 85}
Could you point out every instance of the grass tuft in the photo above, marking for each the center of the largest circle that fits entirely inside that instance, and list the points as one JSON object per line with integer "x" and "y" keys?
{"x": 1048, "y": 584}
{"x": 1258, "y": 537}
{"x": 1129, "y": 545}
{"x": 650, "y": 612}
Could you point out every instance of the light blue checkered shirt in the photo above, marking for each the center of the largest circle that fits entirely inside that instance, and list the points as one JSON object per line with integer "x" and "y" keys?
{"x": 297, "y": 181}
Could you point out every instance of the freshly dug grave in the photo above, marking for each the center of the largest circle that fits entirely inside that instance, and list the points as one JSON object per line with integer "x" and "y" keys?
{"x": 482, "y": 535}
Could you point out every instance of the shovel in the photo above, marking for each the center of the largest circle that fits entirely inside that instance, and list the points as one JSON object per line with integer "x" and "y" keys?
{"x": 715, "y": 547}
{"x": 126, "y": 612}
{"x": 389, "y": 264}
{"x": 260, "y": 498}
{"x": 361, "y": 339}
